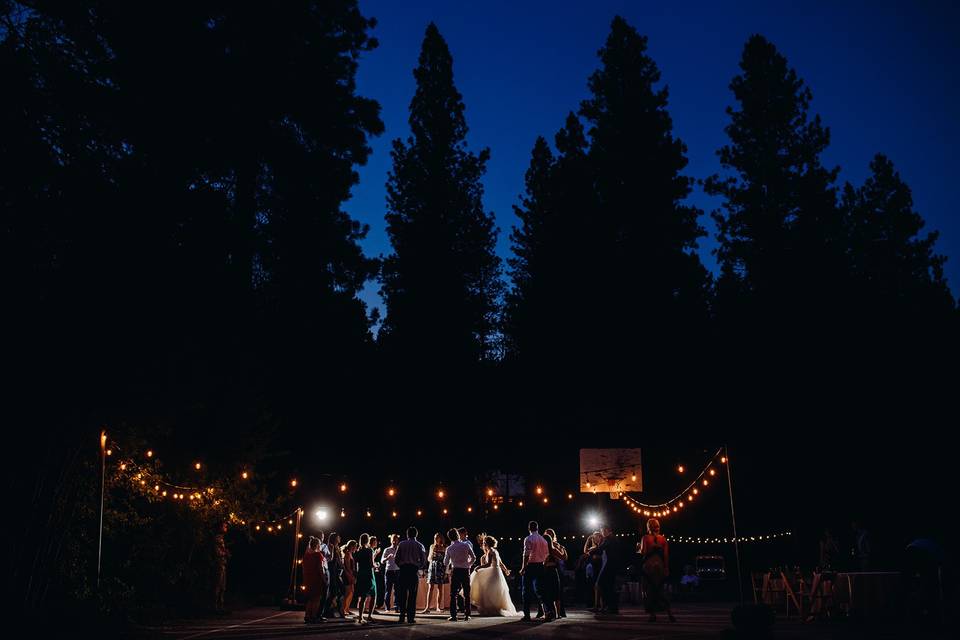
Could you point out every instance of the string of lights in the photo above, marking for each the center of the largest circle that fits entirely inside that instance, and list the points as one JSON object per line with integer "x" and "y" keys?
{"x": 681, "y": 539}
{"x": 684, "y": 497}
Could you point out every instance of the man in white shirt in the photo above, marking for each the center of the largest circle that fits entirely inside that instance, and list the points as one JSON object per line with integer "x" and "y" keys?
{"x": 411, "y": 557}
{"x": 535, "y": 551}
{"x": 459, "y": 557}
{"x": 391, "y": 572}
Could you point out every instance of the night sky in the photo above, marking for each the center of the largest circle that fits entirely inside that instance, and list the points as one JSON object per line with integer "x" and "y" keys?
{"x": 883, "y": 77}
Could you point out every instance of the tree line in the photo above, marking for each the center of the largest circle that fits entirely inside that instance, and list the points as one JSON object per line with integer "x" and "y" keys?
{"x": 175, "y": 250}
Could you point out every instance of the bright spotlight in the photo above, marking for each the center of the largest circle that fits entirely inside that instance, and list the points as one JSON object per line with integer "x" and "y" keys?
{"x": 593, "y": 520}
{"x": 322, "y": 514}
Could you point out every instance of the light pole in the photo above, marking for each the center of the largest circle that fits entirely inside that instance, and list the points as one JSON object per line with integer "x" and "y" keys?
{"x": 733, "y": 517}
{"x": 103, "y": 477}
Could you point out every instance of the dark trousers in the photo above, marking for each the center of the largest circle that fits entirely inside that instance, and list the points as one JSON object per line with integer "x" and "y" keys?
{"x": 608, "y": 589}
{"x": 532, "y": 577}
{"x": 460, "y": 579}
{"x": 379, "y": 580}
{"x": 390, "y": 583}
{"x": 407, "y": 587}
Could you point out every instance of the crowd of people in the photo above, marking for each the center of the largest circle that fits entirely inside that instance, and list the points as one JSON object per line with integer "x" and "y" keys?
{"x": 357, "y": 579}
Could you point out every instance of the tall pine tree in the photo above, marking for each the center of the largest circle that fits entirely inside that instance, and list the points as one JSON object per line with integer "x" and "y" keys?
{"x": 606, "y": 264}
{"x": 546, "y": 310}
{"x": 781, "y": 241}
{"x": 899, "y": 278}
{"x": 442, "y": 283}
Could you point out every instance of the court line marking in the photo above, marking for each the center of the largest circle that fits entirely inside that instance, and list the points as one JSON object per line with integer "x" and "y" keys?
{"x": 233, "y": 626}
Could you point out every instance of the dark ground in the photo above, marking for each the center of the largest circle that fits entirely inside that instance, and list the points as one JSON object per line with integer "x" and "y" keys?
{"x": 699, "y": 620}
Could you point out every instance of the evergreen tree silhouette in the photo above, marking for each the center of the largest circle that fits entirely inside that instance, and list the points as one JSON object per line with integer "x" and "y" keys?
{"x": 782, "y": 250}
{"x": 900, "y": 286}
{"x": 548, "y": 303}
{"x": 606, "y": 260}
{"x": 442, "y": 283}
{"x": 177, "y": 250}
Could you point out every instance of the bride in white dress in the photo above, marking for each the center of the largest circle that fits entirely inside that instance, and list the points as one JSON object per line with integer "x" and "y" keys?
{"x": 488, "y": 586}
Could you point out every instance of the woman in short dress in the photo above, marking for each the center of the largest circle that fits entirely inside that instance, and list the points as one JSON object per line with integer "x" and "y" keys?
{"x": 349, "y": 577}
{"x": 437, "y": 574}
{"x": 366, "y": 586}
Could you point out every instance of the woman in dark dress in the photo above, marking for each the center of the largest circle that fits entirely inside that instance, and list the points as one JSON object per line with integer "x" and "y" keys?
{"x": 655, "y": 555}
{"x": 551, "y": 567}
{"x": 335, "y": 570}
{"x": 365, "y": 587}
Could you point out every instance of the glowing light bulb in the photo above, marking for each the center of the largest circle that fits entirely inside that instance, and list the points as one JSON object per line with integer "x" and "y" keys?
{"x": 696, "y": 491}
{"x": 469, "y": 509}
{"x": 343, "y": 514}
{"x": 150, "y": 453}
{"x": 196, "y": 466}
{"x": 368, "y": 513}
{"x": 156, "y": 487}
{"x": 419, "y": 512}
{"x": 123, "y": 467}
{"x": 489, "y": 492}
{"x": 391, "y": 492}
{"x": 520, "y": 503}
{"x": 257, "y": 527}
{"x": 440, "y": 493}
{"x": 539, "y": 490}
{"x": 293, "y": 483}
{"x": 690, "y": 498}
{"x": 680, "y": 469}
{"x": 496, "y": 508}
{"x": 712, "y": 472}
{"x": 569, "y": 496}
{"x": 545, "y": 500}
{"x": 633, "y": 477}
{"x": 244, "y": 475}
{"x": 290, "y": 521}
{"x": 706, "y": 482}
{"x": 343, "y": 488}
{"x": 444, "y": 512}
{"x": 723, "y": 460}
{"x": 394, "y": 514}
{"x": 109, "y": 452}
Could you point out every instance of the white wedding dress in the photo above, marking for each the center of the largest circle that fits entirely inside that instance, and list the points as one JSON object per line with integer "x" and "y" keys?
{"x": 489, "y": 590}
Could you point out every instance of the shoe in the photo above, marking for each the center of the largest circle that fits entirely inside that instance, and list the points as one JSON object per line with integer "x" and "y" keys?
{"x": 452, "y": 618}
{"x": 539, "y": 614}
{"x": 465, "y": 618}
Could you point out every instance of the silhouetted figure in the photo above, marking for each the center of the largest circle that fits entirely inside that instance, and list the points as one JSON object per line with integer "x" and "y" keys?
{"x": 411, "y": 557}
{"x": 829, "y": 551}
{"x": 862, "y": 548}
{"x": 221, "y": 555}
{"x": 655, "y": 556}
{"x": 612, "y": 554}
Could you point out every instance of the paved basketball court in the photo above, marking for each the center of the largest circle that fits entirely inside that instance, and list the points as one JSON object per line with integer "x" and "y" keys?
{"x": 694, "y": 621}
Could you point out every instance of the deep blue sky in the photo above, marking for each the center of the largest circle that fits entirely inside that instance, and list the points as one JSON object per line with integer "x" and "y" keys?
{"x": 883, "y": 74}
